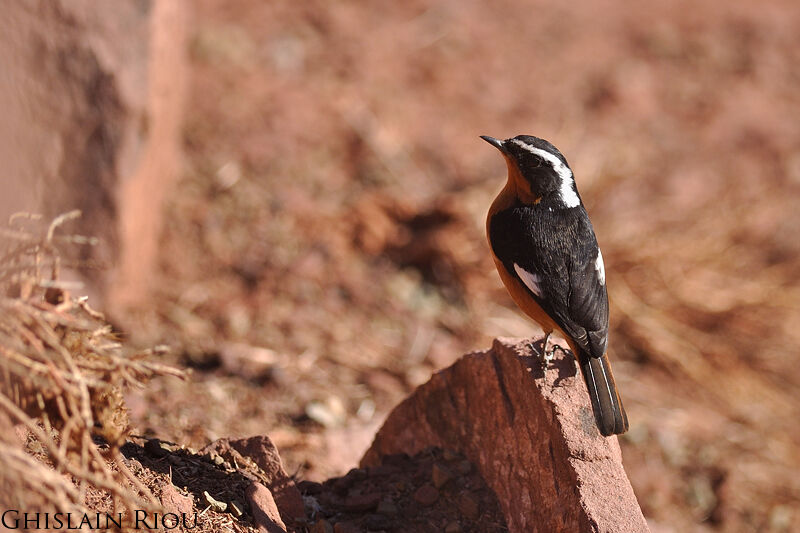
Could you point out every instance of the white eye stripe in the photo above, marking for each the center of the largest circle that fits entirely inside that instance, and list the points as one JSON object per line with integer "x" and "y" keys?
{"x": 561, "y": 169}
{"x": 567, "y": 189}
{"x": 600, "y": 267}
{"x": 529, "y": 279}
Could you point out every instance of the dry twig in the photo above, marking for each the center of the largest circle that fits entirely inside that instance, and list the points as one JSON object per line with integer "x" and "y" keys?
{"x": 62, "y": 373}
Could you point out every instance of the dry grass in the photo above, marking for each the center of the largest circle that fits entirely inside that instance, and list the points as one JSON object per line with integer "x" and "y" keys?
{"x": 62, "y": 373}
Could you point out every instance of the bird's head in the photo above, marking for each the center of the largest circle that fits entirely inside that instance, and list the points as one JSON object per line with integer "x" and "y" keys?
{"x": 538, "y": 170}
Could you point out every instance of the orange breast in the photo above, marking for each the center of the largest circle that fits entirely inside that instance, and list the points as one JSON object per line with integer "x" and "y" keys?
{"x": 519, "y": 293}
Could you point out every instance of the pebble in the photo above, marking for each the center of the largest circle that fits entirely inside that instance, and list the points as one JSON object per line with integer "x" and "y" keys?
{"x": 464, "y": 467}
{"x": 376, "y": 521}
{"x": 387, "y": 507}
{"x": 346, "y": 527}
{"x": 426, "y": 495}
{"x": 154, "y": 448}
{"x": 174, "y": 501}
{"x": 321, "y": 526}
{"x": 266, "y": 515}
{"x": 236, "y": 509}
{"x": 453, "y": 527}
{"x": 361, "y": 502}
{"x": 330, "y": 413}
{"x": 440, "y": 475}
{"x": 450, "y": 455}
{"x": 356, "y": 474}
{"x": 309, "y": 487}
{"x": 469, "y": 507}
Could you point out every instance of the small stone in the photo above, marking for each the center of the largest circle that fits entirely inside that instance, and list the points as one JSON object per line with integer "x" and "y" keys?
{"x": 387, "y": 507}
{"x": 361, "y": 502}
{"x": 330, "y": 413}
{"x": 469, "y": 507}
{"x": 426, "y": 495}
{"x": 235, "y": 509}
{"x": 154, "y": 448}
{"x": 216, "y": 505}
{"x": 263, "y": 508}
{"x": 346, "y": 527}
{"x": 453, "y": 527}
{"x": 356, "y": 474}
{"x": 450, "y": 455}
{"x": 262, "y": 451}
{"x": 174, "y": 501}
{"x": 321, "y": 526}
{"x": 464, "y": 467}
{"x": 309, "y": 487}
{"x": 375, "y": 522}
{"x": 440, "y": 475}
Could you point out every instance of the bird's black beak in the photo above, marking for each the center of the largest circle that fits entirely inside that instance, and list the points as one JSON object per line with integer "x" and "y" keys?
{"x": 497, "y": 143}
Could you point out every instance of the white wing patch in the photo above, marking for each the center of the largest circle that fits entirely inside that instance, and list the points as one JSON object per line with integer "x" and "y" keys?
{"x": 530, "y": 280}
{"x": 567, "y": 189}
{"x": 600, "y": 267}
{"x": 568, "y": 194}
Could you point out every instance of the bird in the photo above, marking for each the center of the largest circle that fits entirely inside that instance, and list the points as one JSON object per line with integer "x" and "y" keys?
{"x": 546, "y": 252}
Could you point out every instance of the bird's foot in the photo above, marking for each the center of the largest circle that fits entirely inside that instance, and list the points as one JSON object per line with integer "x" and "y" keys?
{"x": 550, "y": 355}
{"x": 546, "y": 356}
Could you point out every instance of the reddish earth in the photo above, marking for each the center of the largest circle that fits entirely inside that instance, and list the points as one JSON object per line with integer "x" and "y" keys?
{"x": 324, "y": 251}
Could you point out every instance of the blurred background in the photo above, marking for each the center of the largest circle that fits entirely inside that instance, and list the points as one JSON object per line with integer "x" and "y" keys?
{"x": 322, "y": 249}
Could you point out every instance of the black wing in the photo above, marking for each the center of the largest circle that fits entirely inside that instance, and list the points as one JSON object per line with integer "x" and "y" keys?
{"x": 560, "y": 249}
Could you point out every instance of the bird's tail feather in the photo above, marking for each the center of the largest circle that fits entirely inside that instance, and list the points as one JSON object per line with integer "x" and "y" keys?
{"x": 606, "y": 402}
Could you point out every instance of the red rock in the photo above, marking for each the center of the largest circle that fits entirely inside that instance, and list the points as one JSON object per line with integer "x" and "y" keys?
{"x": 531, "y": 435}
{"x": 346, "y": 527}
{"x": 426, "y": 495}
{"x": 440, "y": 475}
{"x": 263, "y": 453}
{"x": 362, "y": 502}
{"x": 453, "y": 527}
{"x": 174, "y": 501}
{"x": 321, "y": 526}
{"x": 469, "y": 507}
{"x": 264, "y": 510}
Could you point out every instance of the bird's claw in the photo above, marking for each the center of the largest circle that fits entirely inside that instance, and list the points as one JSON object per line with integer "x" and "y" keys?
{"x": 546, "y": 356}
{"x": 550, "y": 355}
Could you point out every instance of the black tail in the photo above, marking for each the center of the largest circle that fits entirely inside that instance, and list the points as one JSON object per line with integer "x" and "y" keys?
{"x": 606, "y": 403}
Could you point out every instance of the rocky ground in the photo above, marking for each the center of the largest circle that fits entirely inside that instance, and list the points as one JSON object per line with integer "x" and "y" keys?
{"x": 220, "y": 489}
{"x": 324, "y": 251}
